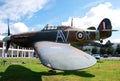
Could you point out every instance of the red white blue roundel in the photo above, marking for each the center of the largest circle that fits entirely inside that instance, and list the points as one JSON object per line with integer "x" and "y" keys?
{"x": 80, "y": 35}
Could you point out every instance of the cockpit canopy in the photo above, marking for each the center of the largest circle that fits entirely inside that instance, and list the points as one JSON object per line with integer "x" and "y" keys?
{"x": 47, "y": 28}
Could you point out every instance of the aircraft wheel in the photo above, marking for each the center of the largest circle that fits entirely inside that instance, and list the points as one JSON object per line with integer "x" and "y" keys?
{"x": 101, "y": 41}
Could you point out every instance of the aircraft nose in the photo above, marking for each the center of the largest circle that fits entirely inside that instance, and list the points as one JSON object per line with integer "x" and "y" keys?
{"x": 7, "y": 38}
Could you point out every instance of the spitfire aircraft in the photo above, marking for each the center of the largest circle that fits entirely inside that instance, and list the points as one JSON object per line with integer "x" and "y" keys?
{"x": 52, "y": 44}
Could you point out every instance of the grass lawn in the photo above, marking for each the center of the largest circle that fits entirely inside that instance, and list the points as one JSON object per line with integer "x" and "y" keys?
{"x": 30, "y": 69}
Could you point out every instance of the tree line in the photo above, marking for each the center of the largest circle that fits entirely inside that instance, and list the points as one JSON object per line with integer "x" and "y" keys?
{"x": 106, "y": 50}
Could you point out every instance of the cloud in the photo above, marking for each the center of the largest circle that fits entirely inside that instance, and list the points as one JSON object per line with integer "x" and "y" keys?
{"x": 17, "y": 9}
{"x": 116, "y": 40}
{"x": 2, "y": 27}
{"x": 91, "y": 4}
{"x": 38, "y": 27}
{"x": 19, "y": 28}
{"x": 95, "y": 15}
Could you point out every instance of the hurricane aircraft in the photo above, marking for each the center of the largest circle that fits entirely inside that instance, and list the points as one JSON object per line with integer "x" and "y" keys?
{"x": 52, "y": 44}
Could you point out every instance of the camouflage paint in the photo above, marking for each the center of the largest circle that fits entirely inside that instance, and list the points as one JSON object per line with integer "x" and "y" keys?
{"x": 63, "y": 34}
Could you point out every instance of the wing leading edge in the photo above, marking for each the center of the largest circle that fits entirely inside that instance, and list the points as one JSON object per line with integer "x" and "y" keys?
{"x": 63, "y": 56}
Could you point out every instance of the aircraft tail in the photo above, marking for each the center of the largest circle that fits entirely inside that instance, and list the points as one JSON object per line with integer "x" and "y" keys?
{"x": 105, "y": 28}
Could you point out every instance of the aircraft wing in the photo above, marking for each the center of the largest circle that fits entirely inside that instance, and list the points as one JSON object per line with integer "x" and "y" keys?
{"x": 63, "y": 56}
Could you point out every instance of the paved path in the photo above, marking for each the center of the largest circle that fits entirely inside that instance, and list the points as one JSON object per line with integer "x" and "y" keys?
{"x": 110, "y": 58}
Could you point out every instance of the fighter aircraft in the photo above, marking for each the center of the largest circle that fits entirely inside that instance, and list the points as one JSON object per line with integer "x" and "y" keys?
{"x": 52, "y": 44}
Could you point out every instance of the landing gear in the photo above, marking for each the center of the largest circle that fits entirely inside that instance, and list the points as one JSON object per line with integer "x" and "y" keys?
{"x": 101, "y": 41}
{"x": 52, "y": 71}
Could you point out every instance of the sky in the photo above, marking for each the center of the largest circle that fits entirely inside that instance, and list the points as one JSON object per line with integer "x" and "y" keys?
{"x": 29, "y": 15}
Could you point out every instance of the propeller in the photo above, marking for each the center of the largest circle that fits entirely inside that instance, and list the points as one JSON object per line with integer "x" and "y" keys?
{"x": 7, "y": 39}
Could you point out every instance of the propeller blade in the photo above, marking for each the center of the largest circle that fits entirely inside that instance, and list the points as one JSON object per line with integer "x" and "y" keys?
{"x": 7, "y": 39}
{"x": 7, "y": 46}
{"x": 8, "y": 28}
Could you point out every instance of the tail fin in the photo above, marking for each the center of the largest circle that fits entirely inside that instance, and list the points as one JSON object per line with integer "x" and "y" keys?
{"x": 105, "y": 28}
{"x": 105, "y": 25}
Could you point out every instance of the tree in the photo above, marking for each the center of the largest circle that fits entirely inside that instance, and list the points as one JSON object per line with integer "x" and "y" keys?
{"x": 94, "y": 50}
{"x": 87, "y": 49}
{"x": 110, "y": 50}
{"x": 118, "y": 49}
{"x": 108, "y": 44}
{"x": 103, "y": 50}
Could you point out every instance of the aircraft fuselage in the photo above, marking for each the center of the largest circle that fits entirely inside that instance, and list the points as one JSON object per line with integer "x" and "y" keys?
{"x": 62, "y": 36}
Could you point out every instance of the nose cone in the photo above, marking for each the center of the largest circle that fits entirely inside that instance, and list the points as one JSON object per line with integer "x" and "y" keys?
{"x": 7, "y": 38}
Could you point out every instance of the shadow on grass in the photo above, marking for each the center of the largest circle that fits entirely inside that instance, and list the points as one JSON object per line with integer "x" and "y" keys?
{"x": 100, "y": 61}
{"x": 20, "y": 73}
{"x": 78, "y": 73}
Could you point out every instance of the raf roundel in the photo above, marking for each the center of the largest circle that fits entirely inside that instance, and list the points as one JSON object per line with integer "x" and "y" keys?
{"x": 80, "y": 35}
